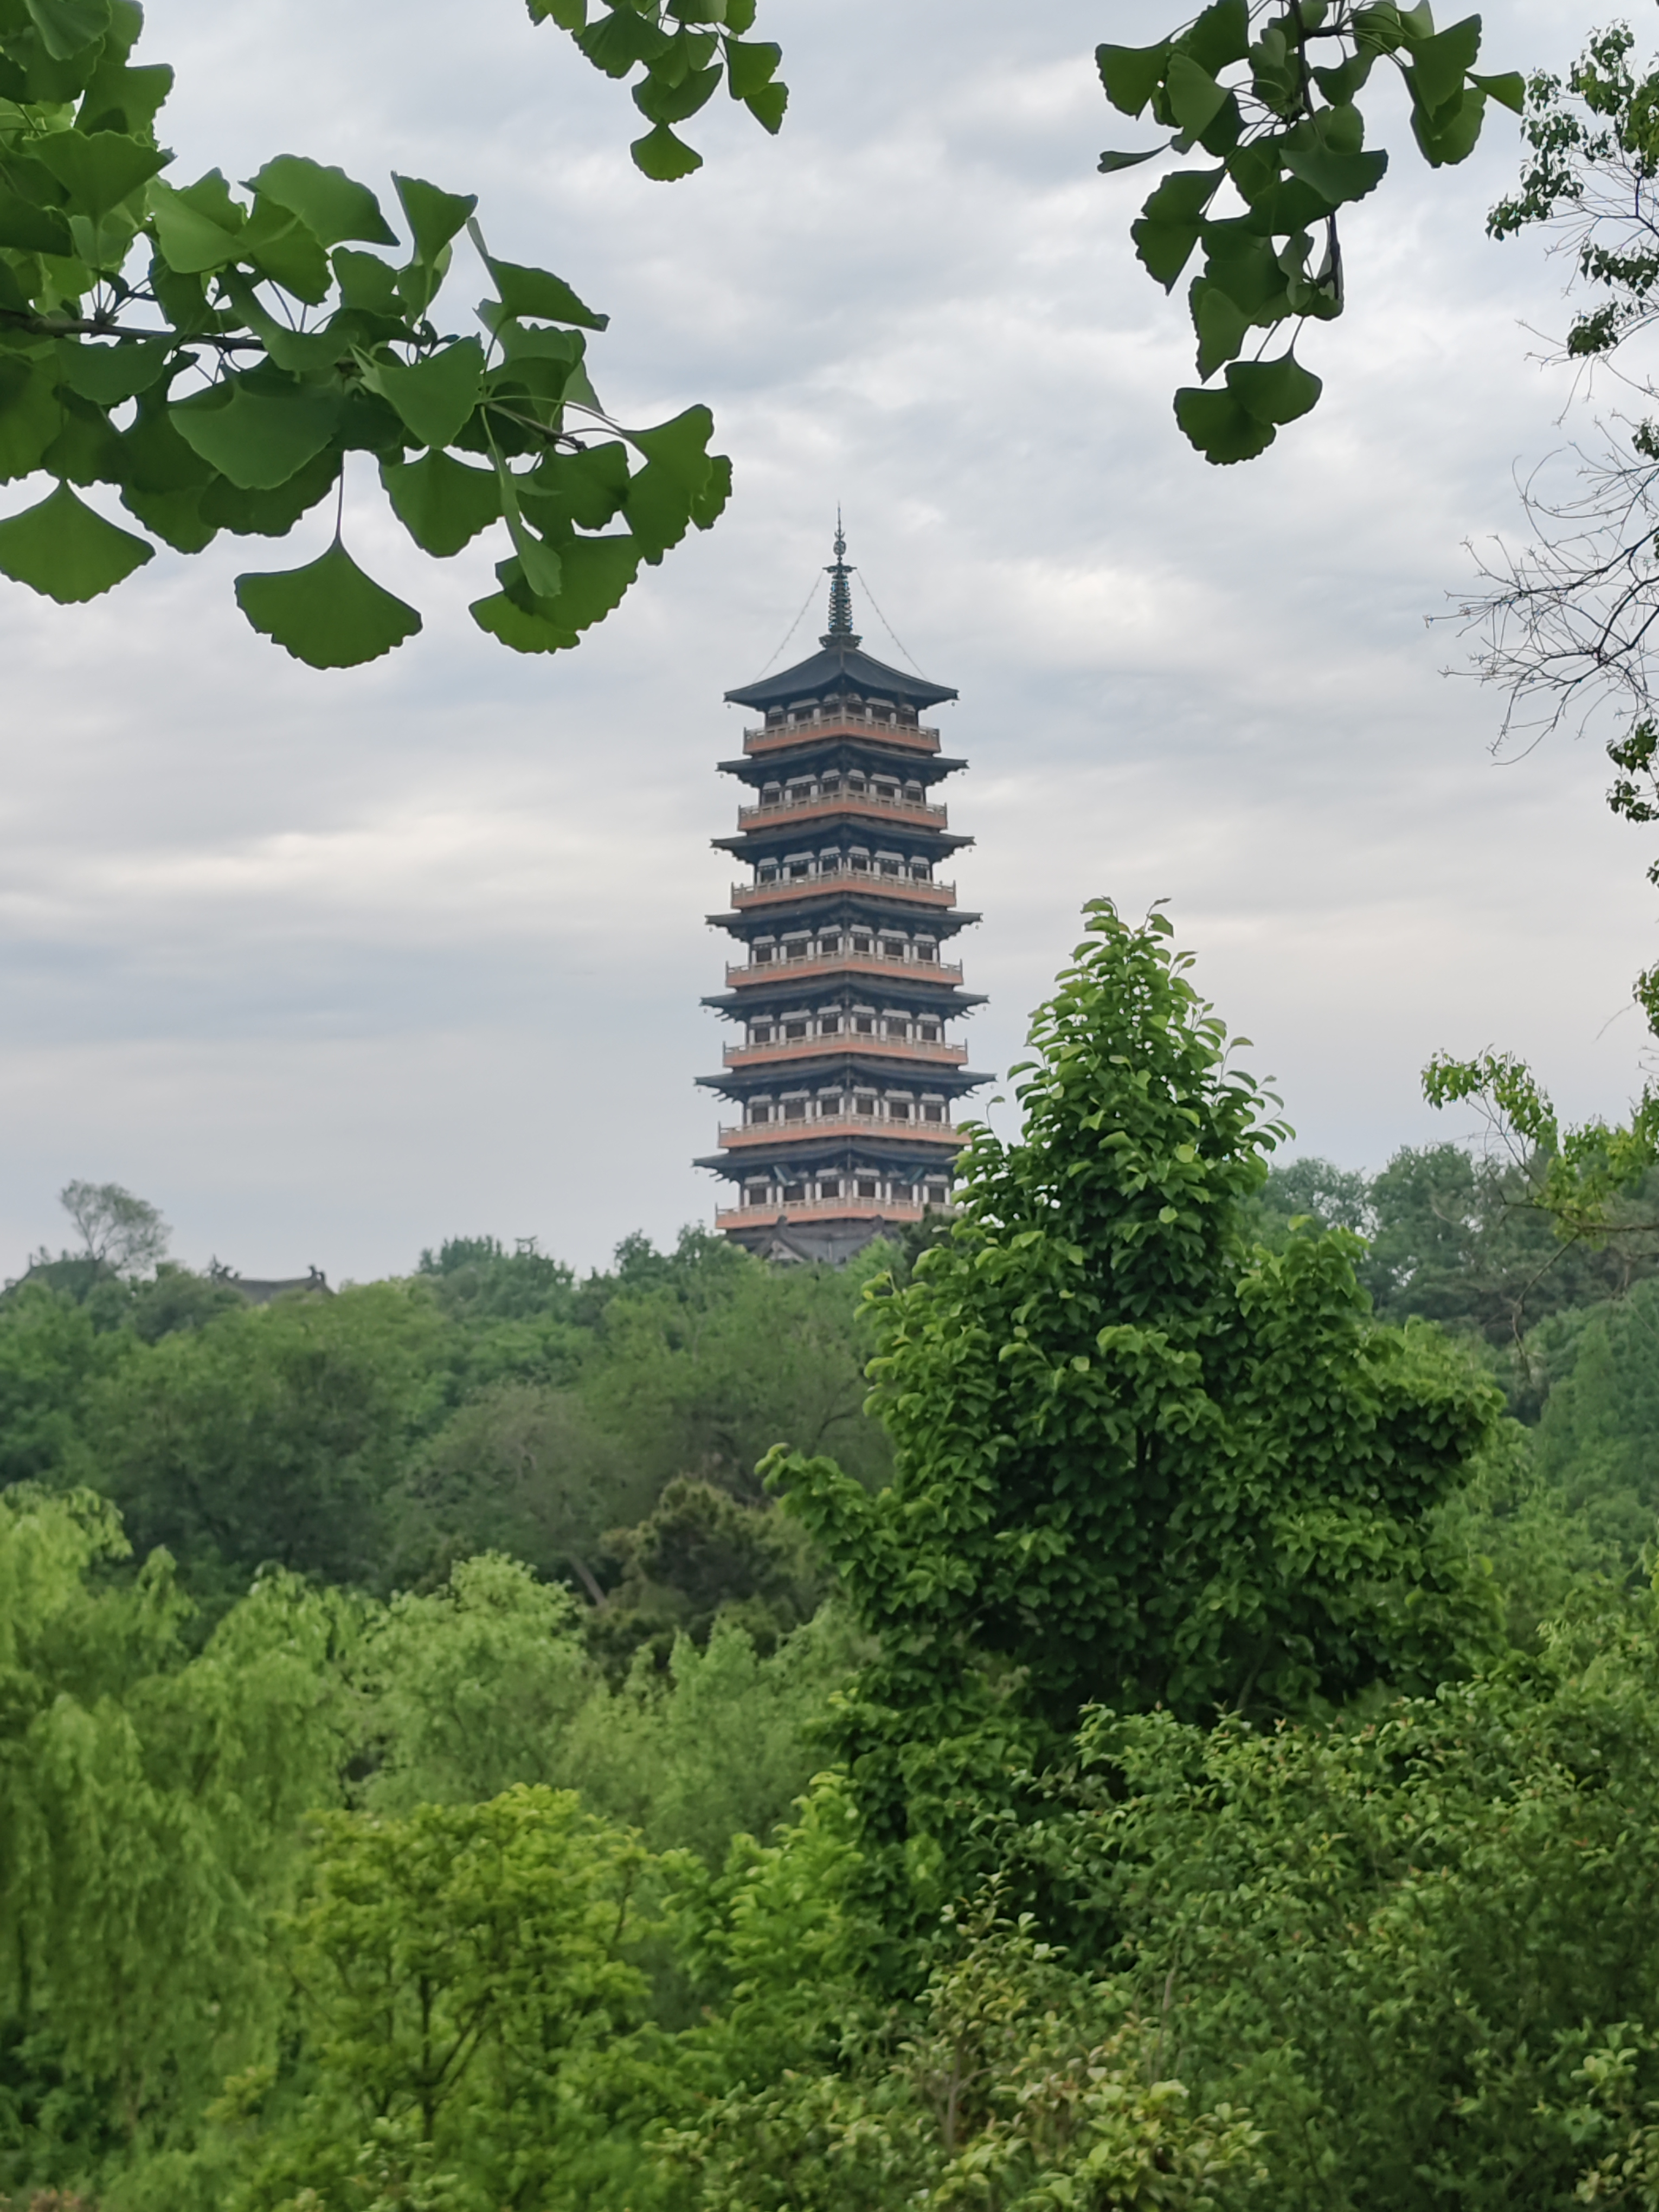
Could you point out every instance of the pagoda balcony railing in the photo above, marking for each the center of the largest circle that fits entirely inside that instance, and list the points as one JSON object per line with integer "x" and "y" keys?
{"x": 765, "y": 1056}
{"x": 828, "y": 1124}
{"x": 830, "y": 963}
{"x": 823, "y": 1209}
{"x": 911, "y": 887}
{"x": 834, "y": 802}
{"x": 777, "y": 734}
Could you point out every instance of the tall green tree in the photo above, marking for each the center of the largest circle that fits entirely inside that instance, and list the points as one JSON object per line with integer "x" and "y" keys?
{"x": 1135, "y": 1460}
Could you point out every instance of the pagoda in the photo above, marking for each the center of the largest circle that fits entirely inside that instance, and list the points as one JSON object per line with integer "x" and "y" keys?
{"x": 843, "y": 1073}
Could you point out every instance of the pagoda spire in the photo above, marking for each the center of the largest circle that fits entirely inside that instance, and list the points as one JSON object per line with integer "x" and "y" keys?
{"x": 841, "y": 630}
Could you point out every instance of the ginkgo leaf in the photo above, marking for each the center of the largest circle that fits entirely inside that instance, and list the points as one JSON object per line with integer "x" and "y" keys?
{"x": 65, "y": 550}
{"x": 328, "y": 614}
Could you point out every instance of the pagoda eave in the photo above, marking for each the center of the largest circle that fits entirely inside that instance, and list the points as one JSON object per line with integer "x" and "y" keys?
{"x": 950, "y": 998}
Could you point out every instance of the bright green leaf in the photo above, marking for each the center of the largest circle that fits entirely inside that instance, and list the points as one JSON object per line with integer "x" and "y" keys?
{"x": 434, "y": 217}
{"x": 258, "y": 434}
{"x": 437, "y": 394}
{"x": 366, "y": 282}
{"x": 681, "y": 446}
{"x": 66, "y": 28}
{"x": 442, "y": 503}
{"x": 328, "y": 614}
{"x": 191, "y": 238}
{"x": 98, "y": 171}
{"x": 32, "y": 229}
{"x": 66, "y": 551}
{"x": 538, "y": 294}
{"x": 330, "y": 204}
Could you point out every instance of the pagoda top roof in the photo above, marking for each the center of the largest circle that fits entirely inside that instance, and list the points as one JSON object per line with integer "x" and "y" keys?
{"x": 840, "y": 666}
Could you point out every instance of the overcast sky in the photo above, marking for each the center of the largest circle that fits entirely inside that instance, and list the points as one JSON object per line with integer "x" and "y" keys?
{"x": 331, "y": 967}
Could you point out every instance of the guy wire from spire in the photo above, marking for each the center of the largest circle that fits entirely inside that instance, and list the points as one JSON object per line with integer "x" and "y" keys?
{"x": 811, "y": 593}
{"x": 890, "y": 631}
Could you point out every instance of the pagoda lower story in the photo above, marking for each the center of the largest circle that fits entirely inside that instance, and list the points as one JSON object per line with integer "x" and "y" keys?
{"x": 843, "y": 1074}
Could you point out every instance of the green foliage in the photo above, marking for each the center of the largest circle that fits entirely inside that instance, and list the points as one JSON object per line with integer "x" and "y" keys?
{"x": 1598, "y": 1434}
{"x": 1271, "y": 92}
{"x": 149, "y": 1809}
{"x": 214, "y": 358}
{"x": 1410, "y": 1946}
{"x": 683, "y": 48}
{"x": 465, "y": 1980}
{"x": 264, "y": 1436}
{"x": 997, "y": 2087}
{"x": 1135, "y": 1457}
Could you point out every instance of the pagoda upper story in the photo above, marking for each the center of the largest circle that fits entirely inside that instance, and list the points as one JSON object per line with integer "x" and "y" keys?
{"x": 842, "y": 1071}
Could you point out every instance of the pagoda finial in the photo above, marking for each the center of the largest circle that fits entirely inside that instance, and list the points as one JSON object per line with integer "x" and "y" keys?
{"x": 841, "y": 630}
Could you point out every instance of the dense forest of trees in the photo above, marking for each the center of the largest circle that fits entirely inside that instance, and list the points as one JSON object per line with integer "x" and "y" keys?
{"x": 497, "y": 1738}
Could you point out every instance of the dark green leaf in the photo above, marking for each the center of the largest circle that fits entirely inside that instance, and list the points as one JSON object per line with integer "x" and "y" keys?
{"x": 442, "y": 503}
{"x": 1274, "y": 391}
{"x": 661, "y": 156}
{"x": 681, "y": 446}
{"x": 1509, "y": 90}
{"x": 158, "y": 459}
{"x": 569, "y": 15}
{"x": 1132, "y": 74}
{"x": 767, "y": 105}
{"x": 1196, "y": 98}
{"x": 434, "y": 217}
{"x": 68, "y": 26}
{"x": 32, "y": 229}
{"x": 1451, "y": 135}
{"x": 537, "y": 294}
{"x": 514, "y": 627}
{"x": 258, "y": 434}
{"x": 1220, "y": 35}
{"x": 66, "y": 551}
{"x": 112, "y": 372}
{"x": 585, "y": 489}
{"x": 270, "y": 513}
{"x": 750, "y": 65}
{"x": 1171, "y": 221}
{"x": 1338, "y": 178}
{"x": 332, "y": 205}
{"x": 1221, "y": 324}
{"x": 709, "y": 503}
{"x": 619, "y": 39}
{"x": 436, "y": 395}
{"x": 672, "y": 103}
{"x": 1109, "y": 161}
{"x": 31, "y": 414}
{"x": 174, "y": 517}
{"x": 97, "y": 171}
{"x": 86, "y": 450}
{"x": 1221, "y": 428}
{"x": 1439, "y": 65}
{"x": 366, "y": 282}
{"x": 328, "y": 614}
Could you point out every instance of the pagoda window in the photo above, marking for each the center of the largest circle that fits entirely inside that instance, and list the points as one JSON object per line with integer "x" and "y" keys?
{"x": 868, "y": 1188}
{"x": 920, "y": 870}
{"x": 865, "y": 1104}
{"x": 759, "y": 1109}
{"x": 767, "y": 873}
{"x": 859, "y": 862}
{"x": 926, "y": 949}
{"x": 794, "y": 1109}
{"x": 935, "y": 1194}
{"x": 798, "y": 869}
{"x": 892, "y": 948}
{"x": 756, "y": 1194}
{"x": 760, "y": 955}
{"x": 796, "y": 948}
{"x": 829, "y": 1025}
{"x": 928, "y": 1032}
{"x": 898, "y": 1109}
{"x": 863, "y": 946}
{"x": 856, "y": 782}
{"x": 760, "y": 1033}
{"x": 793, "y": 1031}
{"x": 913, "y": 795}
{"x": 932, "y": 1111}
{"x": 798, "y": 794}
{"x": 863, "y": 1025}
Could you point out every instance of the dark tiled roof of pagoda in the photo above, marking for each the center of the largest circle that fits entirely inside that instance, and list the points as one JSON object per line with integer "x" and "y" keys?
{"x": 840, "y": 666}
